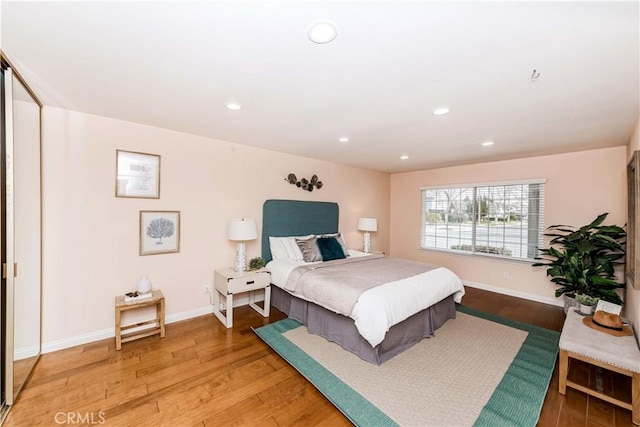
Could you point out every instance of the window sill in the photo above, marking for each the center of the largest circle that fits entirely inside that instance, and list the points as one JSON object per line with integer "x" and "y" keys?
{"x": 481, "y": 255}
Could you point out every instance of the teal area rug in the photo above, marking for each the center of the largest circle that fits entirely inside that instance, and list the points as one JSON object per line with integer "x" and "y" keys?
{"x": 479, "y": 370}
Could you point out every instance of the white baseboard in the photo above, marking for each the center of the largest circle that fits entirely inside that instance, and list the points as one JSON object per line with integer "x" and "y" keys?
{"x": 26, "y": 352}
{"x": 56, "y": 345}
{"x": 51, "y": 346}
{"x": 532, "y": 297}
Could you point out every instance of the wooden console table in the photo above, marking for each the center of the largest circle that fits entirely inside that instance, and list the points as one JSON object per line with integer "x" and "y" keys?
{"x": 157, "y": 299}
{"x": 618, "y": 354}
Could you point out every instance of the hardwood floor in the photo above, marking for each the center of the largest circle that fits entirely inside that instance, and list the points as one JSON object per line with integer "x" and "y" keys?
{"x": 202, "y": 374}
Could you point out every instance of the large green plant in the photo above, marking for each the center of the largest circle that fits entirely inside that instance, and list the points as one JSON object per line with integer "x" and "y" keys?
{"x": 582, "y": 260}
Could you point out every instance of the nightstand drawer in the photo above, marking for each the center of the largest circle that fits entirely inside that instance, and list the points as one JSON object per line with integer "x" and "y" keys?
{"x": 249, "y": 283}
{"x": 234, "y": 283}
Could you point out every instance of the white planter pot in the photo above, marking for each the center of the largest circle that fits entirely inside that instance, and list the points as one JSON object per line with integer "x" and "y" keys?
{"x": 586, "y": 309}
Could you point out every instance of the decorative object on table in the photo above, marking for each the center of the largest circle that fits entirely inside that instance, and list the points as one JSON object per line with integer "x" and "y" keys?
{"x": 304, "y": 183}
{"x": 587, "y": 303}
{"x": 159, "y": 232}
{"x": 144, "y": 285}
{"x": 137, "y": 175}
{"x": 367, "y": 225}
{"x": 241, "y": 230}
{"x": 582, "y": 260}
{"x": 608, "y": 323}
{"x": 137, "y": 296}
{"x": 256, "y": 263}
{"x": 609, "y": 307}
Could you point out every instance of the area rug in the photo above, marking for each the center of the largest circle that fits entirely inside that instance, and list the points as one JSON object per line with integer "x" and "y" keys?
{"x": 478, "y": 370}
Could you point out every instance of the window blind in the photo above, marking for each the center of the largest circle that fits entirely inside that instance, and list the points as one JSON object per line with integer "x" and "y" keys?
{"x": 504, "y": 219}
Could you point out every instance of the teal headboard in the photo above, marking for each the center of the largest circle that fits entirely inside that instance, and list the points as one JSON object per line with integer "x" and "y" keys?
{"x": 296, "y": 218}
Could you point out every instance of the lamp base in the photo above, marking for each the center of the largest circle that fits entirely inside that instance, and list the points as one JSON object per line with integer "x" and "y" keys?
{"x": 367, "y": 242}
{"x": 241, "y": 258}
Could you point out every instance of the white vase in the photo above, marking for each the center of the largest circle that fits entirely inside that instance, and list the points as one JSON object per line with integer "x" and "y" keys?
{"x": 144, "y": 285}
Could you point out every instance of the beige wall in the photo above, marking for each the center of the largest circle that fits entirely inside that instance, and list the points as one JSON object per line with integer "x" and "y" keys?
{"x": 91, "y": 237}
{"x": 632, "y": 309}
{"x": 90, "y": 251}
{"x": 579, "y": 186}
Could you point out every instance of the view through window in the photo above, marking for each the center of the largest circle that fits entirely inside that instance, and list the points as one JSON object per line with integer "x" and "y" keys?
{"x": 500, "y": 219}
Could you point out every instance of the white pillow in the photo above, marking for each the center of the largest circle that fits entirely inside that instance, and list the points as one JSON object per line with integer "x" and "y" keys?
{"x": 286, "y": 247}
{"x": 278, "y": 250}
{"x": 295, "y": 254}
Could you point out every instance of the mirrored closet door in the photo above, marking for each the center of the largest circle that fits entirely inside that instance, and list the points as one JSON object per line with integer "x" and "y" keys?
{"x": 20, "y": 232}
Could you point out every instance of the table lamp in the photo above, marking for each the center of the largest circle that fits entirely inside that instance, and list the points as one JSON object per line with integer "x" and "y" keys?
{"x": 241, "y": 230}
{"x": 367, "y": 225}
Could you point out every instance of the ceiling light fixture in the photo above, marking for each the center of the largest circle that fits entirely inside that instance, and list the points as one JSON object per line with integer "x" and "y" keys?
{"x": 440, "y": 111}
{"x": 343, "y": 139}
{"x": 322, "y": 32}
{"x": 487, "y": 143}
{"x": 404, "y": 157}
{"x": 234, "y": 105}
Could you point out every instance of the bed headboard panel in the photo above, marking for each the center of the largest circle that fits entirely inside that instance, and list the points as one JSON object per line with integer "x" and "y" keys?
{"x": 296, "y": 218}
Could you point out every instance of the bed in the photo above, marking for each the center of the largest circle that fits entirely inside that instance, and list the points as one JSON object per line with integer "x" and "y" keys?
{"x": 331, "y": 317}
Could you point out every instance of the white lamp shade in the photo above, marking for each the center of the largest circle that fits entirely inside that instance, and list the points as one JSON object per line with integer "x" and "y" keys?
{"x": 242, "y": 229}
{"x": 368, "y": 224}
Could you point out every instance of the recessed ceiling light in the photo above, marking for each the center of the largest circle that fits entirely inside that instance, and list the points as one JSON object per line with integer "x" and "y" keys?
{"x": 487, "y": 143}
{"x": 440, "y": 111}
{"x": 343, "y": 139}
{"x": 322, "y": 32}
{"x": 234, "y": 105}
{"x": 404, "y": 157}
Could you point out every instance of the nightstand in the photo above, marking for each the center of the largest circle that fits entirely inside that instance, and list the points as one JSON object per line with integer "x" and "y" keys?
{"x": 228, "y": 282}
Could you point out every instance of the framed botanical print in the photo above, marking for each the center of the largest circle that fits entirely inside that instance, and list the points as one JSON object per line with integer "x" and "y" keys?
{"x": 137, "y": 175}
{"x": 159, "y": 232}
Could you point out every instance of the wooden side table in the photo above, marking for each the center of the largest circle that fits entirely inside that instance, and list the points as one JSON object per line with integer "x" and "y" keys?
{"x": 228, "y": 282}
{"x": 157, "y": 299}
{"x": 618, "y": 354}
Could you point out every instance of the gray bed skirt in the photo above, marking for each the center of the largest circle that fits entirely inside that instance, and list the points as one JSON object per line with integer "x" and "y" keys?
{"x": 342, "y": 330}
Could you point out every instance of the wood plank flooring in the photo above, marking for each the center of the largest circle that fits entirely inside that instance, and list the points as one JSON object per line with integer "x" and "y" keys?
{"x": 202, "y": 374}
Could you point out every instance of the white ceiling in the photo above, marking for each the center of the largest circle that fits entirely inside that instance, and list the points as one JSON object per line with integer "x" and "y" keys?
{"x": 175, "y": 65}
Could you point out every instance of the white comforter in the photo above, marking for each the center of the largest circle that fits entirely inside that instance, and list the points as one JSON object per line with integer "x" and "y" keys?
{"x": 381, "y": 307}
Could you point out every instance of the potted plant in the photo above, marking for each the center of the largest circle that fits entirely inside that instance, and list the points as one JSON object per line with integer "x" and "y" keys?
{"x": 582, "y": 260}
{"x": 587, "y": 303}
{"x": 256, "y": 263}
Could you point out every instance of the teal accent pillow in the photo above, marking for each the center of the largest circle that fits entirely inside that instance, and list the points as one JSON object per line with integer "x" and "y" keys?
{"x": 330, "y": 248}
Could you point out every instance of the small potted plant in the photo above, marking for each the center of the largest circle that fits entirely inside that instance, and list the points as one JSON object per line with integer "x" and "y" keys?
{"x": 582, "y": 260}
{"x": 256, "y": 263}
{"x": 587, "y": 303}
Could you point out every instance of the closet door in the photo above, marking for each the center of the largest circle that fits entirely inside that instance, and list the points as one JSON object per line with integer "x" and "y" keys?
{"x": 22, "y": 267}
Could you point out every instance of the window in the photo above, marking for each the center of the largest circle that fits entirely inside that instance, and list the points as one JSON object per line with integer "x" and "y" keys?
{"x": 499, "y": 219}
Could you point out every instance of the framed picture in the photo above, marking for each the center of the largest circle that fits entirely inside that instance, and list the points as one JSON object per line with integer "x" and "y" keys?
{"x": 159, "y": 232}
{"x": 137, "y": 175}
